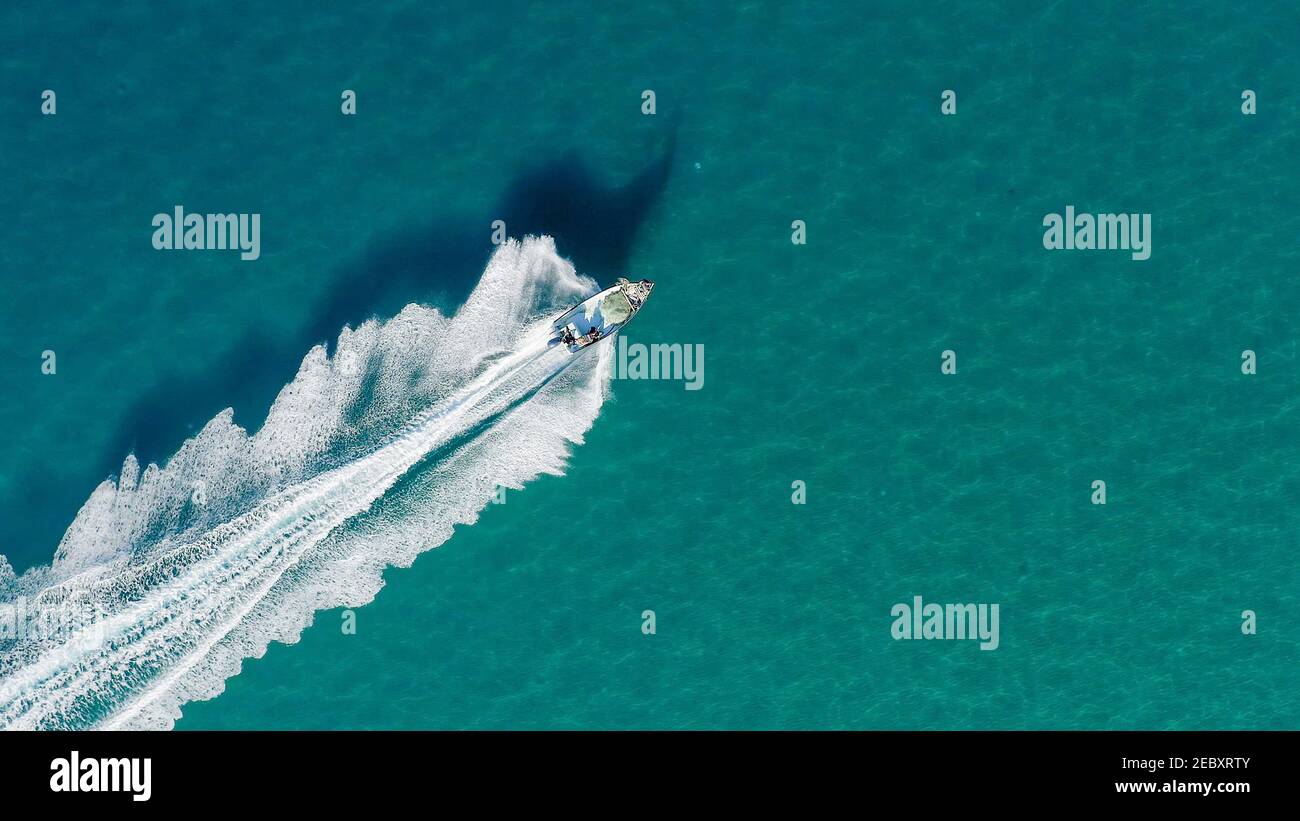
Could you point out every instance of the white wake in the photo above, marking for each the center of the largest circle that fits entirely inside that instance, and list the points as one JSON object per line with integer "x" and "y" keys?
{"x": 170, "y": 577}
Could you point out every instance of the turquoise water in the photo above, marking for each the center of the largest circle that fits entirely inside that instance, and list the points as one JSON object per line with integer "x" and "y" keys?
{"x": 821, "y": 360}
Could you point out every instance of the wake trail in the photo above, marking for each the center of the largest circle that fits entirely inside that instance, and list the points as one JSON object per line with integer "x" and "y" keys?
{"x": 368, "y": 480}
{"x": 177, "y": 618}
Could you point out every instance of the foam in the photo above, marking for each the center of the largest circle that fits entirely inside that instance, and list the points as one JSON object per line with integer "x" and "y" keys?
{"x": 287, "y": 523}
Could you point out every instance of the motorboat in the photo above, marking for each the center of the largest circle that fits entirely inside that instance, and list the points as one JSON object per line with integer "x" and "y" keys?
{"x": 602, "y": 315}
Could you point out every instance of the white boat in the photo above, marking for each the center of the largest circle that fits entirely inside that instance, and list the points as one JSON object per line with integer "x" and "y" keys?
{"x": 601, "y": 315}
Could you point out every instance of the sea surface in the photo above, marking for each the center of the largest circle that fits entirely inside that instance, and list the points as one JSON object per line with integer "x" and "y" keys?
{"x": 360, "y": 575}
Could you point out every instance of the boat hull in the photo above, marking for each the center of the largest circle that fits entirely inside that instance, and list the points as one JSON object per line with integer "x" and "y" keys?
{"x": 600, "y": 316}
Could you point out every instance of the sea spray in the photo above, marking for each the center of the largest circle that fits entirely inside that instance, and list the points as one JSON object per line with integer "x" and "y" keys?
{"x": 286, "y": 522}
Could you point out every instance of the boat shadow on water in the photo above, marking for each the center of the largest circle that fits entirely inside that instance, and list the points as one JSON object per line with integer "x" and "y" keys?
{"x": 594, "y": 225}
